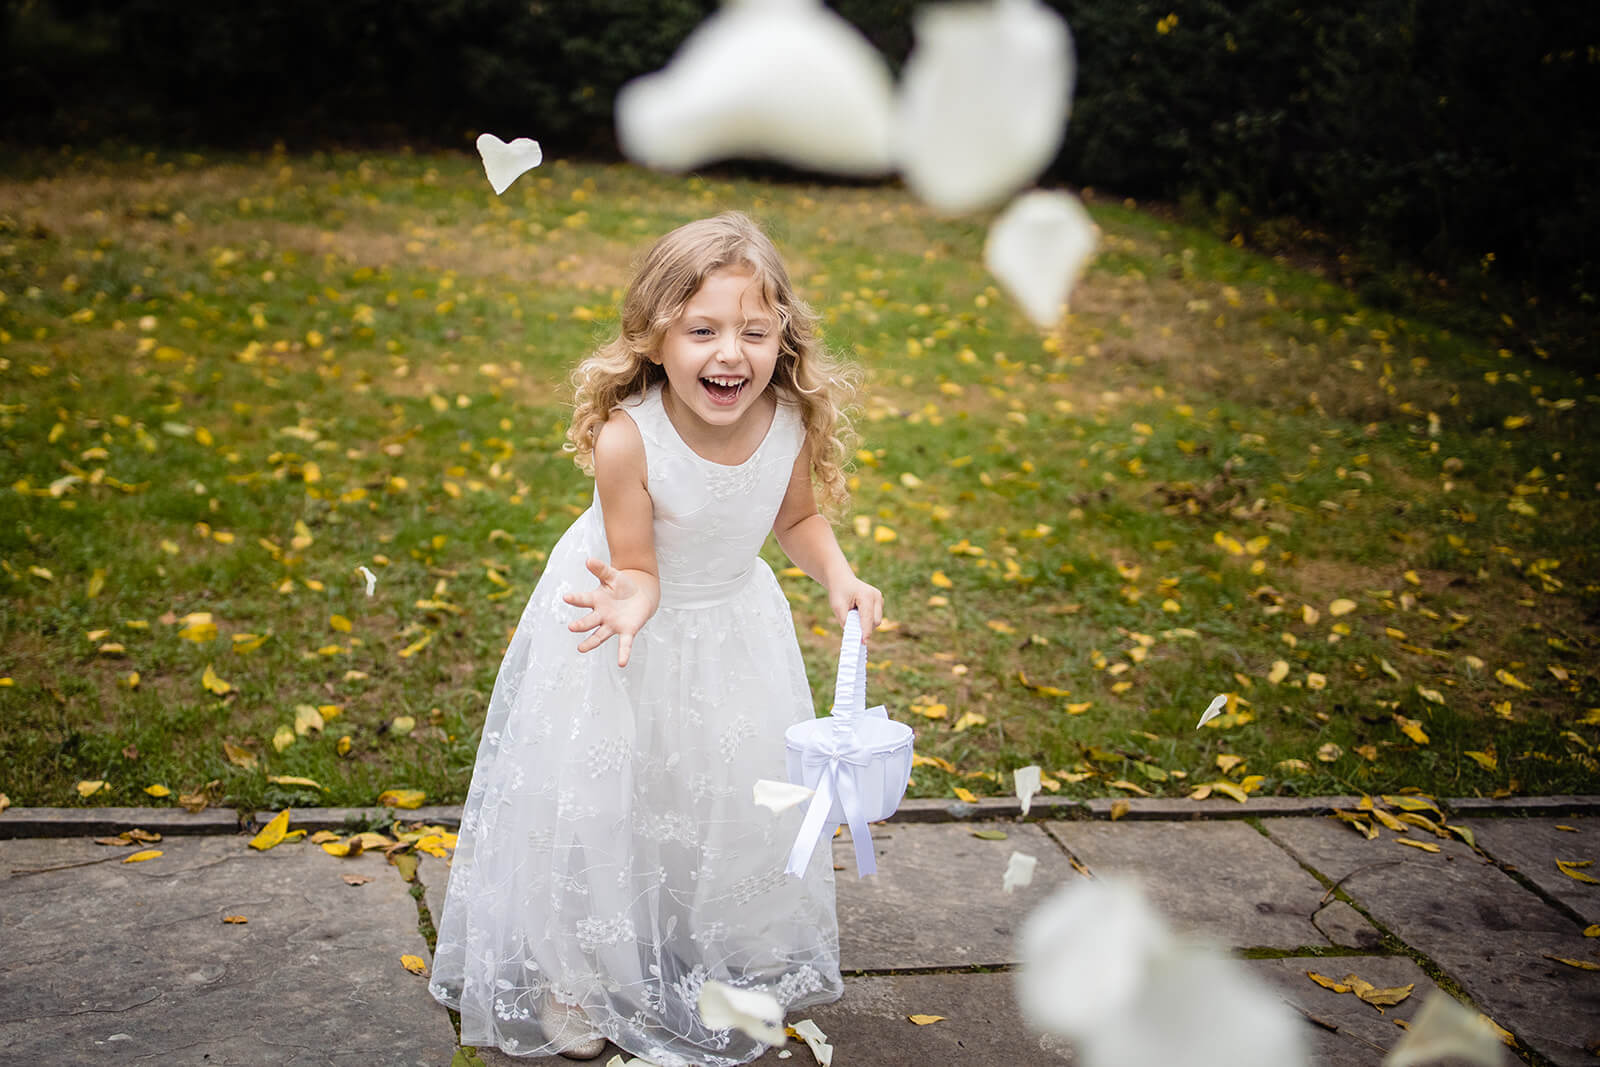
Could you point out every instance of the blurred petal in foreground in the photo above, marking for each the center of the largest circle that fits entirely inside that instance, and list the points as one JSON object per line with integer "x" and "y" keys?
{"x": 753, "y": 1011}
{"x": 781, "y": 79}
{"x": 1446, "y": 1030}
{"x": 1101, "y": 968}
{"x": 504, "y": 164}
{"x": 1037, "y": 248}
{"x": 983, "y": 101}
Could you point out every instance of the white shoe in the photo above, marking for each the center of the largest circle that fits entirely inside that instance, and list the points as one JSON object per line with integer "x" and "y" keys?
{"x": 569, "y": 1030}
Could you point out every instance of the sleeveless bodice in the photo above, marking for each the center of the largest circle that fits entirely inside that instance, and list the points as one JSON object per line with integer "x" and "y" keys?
{"x": 711, "y": 519}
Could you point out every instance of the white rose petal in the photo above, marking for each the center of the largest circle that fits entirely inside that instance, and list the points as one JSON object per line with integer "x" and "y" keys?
{"x": 780, "y": 796}
{"x": 372, "y": 579}
{"x": 1027, "y": 783}
{"x": 1086, "y": 954}
{"x": 1037, "y": 248}
{"x": 1019, "y": 871}
{"x": 783, "y": 79}
{"x": 505, "y": 163}
{"x": 1445, "y": 1029}
{"x": 813, "y": 1036}
{"x": 1213, "y": 709}
{"x": 1201, "y": 1008}
{"x": 983, "y": 101}
{"x": 752, "y": 1011}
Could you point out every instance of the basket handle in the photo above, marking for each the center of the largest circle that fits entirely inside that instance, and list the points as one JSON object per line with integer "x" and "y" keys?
{"x": 850, "y": 688}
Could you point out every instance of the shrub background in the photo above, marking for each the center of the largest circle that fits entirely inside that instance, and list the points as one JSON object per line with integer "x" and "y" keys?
{"x": 1439, "y": 132}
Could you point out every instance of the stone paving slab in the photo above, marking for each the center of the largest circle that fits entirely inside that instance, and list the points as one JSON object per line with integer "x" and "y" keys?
{"x": 1221, "y": 880}
{"x": 1483, "y": 929}
{"x": 937, "y": 900}
{"x": 1532, "y": 846}
{"x": 1345, "y": 1031}
{"x": 133, "y": 962}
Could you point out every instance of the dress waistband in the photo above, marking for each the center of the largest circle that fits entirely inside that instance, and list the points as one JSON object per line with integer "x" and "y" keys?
{"x": 703, "y": 594}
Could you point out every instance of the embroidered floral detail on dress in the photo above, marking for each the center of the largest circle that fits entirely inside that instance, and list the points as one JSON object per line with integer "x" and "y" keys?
{"x": 592, "y": 933}
{"x": 796, "y": 984}
{"x": 608, "y": 756}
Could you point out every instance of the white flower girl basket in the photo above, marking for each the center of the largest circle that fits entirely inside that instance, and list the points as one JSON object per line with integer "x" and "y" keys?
{"x": 857, "y": 759}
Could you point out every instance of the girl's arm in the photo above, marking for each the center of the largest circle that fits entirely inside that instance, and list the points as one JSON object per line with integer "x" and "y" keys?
{"x": 630, "y": 587}
{"x": 807, "y": 539}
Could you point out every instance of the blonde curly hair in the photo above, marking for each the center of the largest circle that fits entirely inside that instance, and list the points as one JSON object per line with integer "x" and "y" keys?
{"x": 672, "y": 272}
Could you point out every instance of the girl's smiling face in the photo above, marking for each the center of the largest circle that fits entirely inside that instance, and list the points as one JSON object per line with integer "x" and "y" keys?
{"x": 720, "y": 353}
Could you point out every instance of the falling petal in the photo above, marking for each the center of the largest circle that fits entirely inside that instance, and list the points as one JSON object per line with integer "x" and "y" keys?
{"x": 504, "y": 163}
{"x": 786, "y": 79}
{"x": 1027, "y": 783}
{"x": 1037, "y": 248}
{"x": 1199, "y": 1006}
{"x": 1445, "y": 1030}
{"x": 372, "y": 579}
{"x": 983, "y": 101}
{"x": 751, "y": 1011}
{"x": 1019, "y": 871}
{"x": 816, "y": 1040}
{"x": 1086, "y": 954}
{"x": 1213, "y": 709}
{"x": 780, "y": 796}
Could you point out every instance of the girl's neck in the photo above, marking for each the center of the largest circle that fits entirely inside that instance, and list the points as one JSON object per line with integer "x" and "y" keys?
{"x": 728, "y": 447}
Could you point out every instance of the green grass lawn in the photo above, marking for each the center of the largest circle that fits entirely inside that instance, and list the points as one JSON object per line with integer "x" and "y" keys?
{"x": 226, "y": 384}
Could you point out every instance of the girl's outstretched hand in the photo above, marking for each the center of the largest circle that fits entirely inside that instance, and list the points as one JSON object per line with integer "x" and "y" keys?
{"x": 618, "y": 606}
{"x": 864, "y": 598}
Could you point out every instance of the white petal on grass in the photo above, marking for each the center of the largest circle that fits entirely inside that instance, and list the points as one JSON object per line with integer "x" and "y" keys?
{"x": 816, "y": 1040}
{"x": 1019, "y": 871}
{"x": 1445, "y": 1029}
{"x": 1213, "y": 709}
{"x": 751, "y": 1011}
{"x": 1201, "y": 1008}
{"x": 783, "y": 79}
{"x": 780, "y": 796}
{"x": 505, "y": 163}
{"x": 1086, "y": 954}
{"x": 983, "y": 101}
{"x": 1027, "y": 783}
{"x": 1037, "y": 249}
{"x": 372, "y": 579}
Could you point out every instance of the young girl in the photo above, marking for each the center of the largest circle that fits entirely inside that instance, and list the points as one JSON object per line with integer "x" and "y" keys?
{"x": 611, "y": 858}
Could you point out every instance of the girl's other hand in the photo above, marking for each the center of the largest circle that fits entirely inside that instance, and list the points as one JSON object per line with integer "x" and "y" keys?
{"x": 618, "y": 606}
{"x": 861, "y": 596}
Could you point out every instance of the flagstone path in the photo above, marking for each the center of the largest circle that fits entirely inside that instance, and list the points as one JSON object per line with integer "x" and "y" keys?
{"x": 134, "y": 963}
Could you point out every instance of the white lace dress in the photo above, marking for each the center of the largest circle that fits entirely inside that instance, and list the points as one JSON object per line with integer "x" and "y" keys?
{"x": 610, "y": 854}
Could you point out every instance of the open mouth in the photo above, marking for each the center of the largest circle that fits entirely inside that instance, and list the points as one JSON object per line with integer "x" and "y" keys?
{"x": 724, "y": 390}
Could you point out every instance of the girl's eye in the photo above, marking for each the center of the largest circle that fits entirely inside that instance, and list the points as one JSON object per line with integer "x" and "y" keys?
{"x": 756, "y": 335}
{"x": 701, "y": 331}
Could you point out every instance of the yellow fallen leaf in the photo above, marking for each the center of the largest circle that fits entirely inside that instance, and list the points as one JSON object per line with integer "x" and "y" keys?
{"x": 272, "y": 833}
{"x": 1487, "y": 760}
{"x": 401, "y": 725}
{"x": 1329, "y": 753}
{"x": 90, "y": 788}
{"x": 1079, "y": 708}
{"x": 283, "y": 737}
{"x": 199, "y": 632}
{"x": 1119, "y": 808}
{"x": 919, "y": 760}
{"x": 1507, "y": 678}
{"x": 1279, "y": 671}
{"x": 1406, "y": 802}
{"x": 158, "y": 790}
{"x": 1327, "y": 983}
{"x": 1592, "y": 931}
{"x": 306, "y": 719}
{"x": 140, "y": 857}
{"x": 249, "y": 642}
{"x": 1358, "y": 824}
{"x": 416, "y": 646}
{"x": 1389, "y": 821}
{"x": 402, "y": 798}
{"x": 1227, "y": 761}
{"x": 340, "y": 623}
{"x": 1342, "y": 606}
{"x": 414, "y": 964}
{"x": 1412, "y": 729}
{"x": 940, "y": 579}
{"x": 970, "y": 718}
{"x": 1378, "y": 998}
{"x": 239, "y": 757}
{"x": 1316, "y": 681}
{"x": 964, "y": 794}
{"x": 1000, "y": 626}
{"x": 1582, "y": 965}
{"x": 924, "y": 1020}
{"x": 883, "y": 534}
{"x": 288, "y": 779}
{"x": 235, "y": 919}
{"x": 1573, "y": 869}
{"x": 342, "y": 848}
{"x": 1123, "y": 783}
{"x": 1426, "y": 846}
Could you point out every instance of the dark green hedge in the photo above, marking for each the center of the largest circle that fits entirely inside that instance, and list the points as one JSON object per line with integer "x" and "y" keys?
{"x": 1442, "y": 130}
